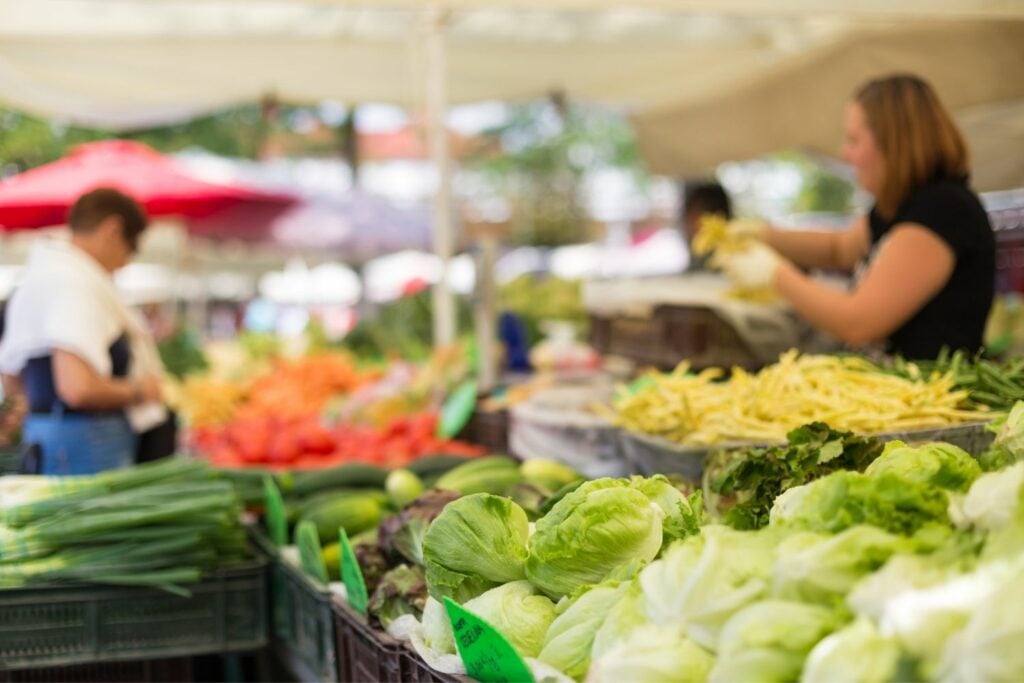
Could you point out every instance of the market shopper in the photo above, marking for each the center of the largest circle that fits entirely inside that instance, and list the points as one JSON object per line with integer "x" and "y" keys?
{"x": 75, "y": 350}
{"x": 923, "y": 258}
{"x": 701, "y": 199}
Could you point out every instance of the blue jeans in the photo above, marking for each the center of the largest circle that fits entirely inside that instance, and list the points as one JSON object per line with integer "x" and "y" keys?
{"x": 81, "y": 444}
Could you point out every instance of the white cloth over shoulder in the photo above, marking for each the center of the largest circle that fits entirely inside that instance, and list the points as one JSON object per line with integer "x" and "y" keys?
{"x": 67, "y": 301}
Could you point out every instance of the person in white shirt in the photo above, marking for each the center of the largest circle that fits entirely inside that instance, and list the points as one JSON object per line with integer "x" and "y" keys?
{"x": 74, "y": 349}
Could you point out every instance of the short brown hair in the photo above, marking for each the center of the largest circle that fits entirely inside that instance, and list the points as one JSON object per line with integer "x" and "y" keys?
{"x": 93, "y": 207}
{"x": 916, "y": 135}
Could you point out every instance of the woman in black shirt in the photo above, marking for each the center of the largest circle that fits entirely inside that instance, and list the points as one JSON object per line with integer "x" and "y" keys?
{"x": 924, "y": 256}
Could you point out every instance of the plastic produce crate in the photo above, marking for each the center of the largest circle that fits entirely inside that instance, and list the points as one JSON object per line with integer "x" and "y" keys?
{"x": 488, "y": 428}
{"x": 367, "y": 654}
{"x": 654, "y": 455}
{"x": 144, "y": 671}
{"x": 59, "y": 626}
{"x": 302, "y": 623}
{"x": 672, "y": 334}
{"x": 10, "y": 460}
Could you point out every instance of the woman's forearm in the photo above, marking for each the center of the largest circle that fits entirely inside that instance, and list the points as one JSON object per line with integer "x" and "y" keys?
{"x": 809, "y": 249}
{"x": 829, "y": 309}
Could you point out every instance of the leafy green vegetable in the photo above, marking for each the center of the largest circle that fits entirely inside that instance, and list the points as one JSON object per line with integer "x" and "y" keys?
{"x": 625, "y": 616}
{"x": 518, "y": 612}
{"x": 653, "y": 653}
{"x": 475, "y": 544}
{"x": 401, "y": 591}
{"x": 702, "y": 581}
{"x": 600, "y": 526}
{"x": 745, "y": 483}
{"x": 768, "y": 641}
{"x": 437, "y": 628}
{"x": 401, "y": 536}
{"x": 1008, "y": 445}
{"x": 822, "y": 568}
{"x": 569, "y": 639}
{"x": 844, "y": 499}
{"x": 857, "y": 653}
{"x": 989, "y": 646}
{"x": 939, "y": 464}
{"x": 993, "y": 499}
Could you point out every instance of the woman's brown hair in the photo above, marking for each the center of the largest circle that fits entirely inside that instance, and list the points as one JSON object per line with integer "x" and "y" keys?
{"x": 916, "y": 135}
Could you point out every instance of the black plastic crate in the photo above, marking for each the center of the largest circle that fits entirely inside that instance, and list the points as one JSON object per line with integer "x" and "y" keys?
{"x": 488, "y": 428}
{"x": 10, "y": 460}
{"x": 367, "y": 654}
{"x": 302, "y": 623}
{"x": 144, "y": 671}
{"x": 65, "y": 625}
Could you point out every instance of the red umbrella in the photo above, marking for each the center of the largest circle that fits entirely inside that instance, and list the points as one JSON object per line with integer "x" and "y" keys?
{"x": 42, "y": 196}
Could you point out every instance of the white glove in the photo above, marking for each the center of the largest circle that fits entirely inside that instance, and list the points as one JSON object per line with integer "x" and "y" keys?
{"x": 752, "y": 268}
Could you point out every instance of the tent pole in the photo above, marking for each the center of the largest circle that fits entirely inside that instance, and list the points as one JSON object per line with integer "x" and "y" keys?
{"x": 436, "y": 76}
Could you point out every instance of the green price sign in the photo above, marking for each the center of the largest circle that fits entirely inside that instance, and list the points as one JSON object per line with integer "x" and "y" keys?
{"x": 457, "y": 409}
{"x": 277, "y": 522}
{"x": 352, "y": 575}
{"x": 488, "y": 656}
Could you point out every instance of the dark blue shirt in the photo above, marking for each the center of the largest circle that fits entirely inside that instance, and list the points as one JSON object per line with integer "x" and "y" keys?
{"x": 41, "y": 389}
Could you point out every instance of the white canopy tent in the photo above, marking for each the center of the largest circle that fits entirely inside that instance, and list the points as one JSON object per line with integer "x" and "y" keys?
{"x": 707, "y": 80}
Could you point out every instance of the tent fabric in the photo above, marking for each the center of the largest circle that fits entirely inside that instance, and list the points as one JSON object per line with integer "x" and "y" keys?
{"x": 42, "y": 196}
{"x": 355, "y": 224}
{"x": 977, "y": 68}
{"x": 708, "y": 80}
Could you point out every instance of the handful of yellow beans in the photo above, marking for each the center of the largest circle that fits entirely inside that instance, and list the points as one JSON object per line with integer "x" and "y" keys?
{"x": 848, "y": 393}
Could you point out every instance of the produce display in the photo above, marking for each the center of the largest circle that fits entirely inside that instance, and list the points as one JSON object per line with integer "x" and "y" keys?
{"x": 389, "y": 514}
{"x": 848, "y": 393}
{"x": 307, "y": 443}
{"x": 874, "y": 562}
{"x": 162, "y": 524}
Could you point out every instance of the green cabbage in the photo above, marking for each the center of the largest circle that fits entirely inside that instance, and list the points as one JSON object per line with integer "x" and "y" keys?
{"x": 518, "y": 612}
{"x": 592, "y": 531}
{"x": 570, "y": 638}
{"x": 702, "y": 581}
{"x": 476, "y": 543}
{"x": 857, "y": 653}
{"x": 939, "y": 464}
{"x": 768, "y": 641}
{"x": 653, "y": 654}
{"x": 845, "y": 499}
{"x": 816, "y": 567}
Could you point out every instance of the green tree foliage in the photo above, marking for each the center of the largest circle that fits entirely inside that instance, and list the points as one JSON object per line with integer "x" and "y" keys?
{"x": 545, "y": 147}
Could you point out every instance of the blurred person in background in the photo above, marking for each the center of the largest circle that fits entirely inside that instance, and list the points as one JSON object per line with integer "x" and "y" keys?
{"x": 81, "y": 358}
{"x": 702, "y": 199}
{"x": 922, "y": 259}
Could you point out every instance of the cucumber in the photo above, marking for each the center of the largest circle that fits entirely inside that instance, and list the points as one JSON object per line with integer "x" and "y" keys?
{"x": 356, "y": 513}
{"x": 436, "y": 465}
{"x": 490, "y": 474}
{"x": 303, "y": 484}
{"x": 299, "y": 508}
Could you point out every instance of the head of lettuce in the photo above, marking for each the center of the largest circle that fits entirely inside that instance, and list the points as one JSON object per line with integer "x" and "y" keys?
{"x": 597, "y": 529}
{"x": 477, "y": 543}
